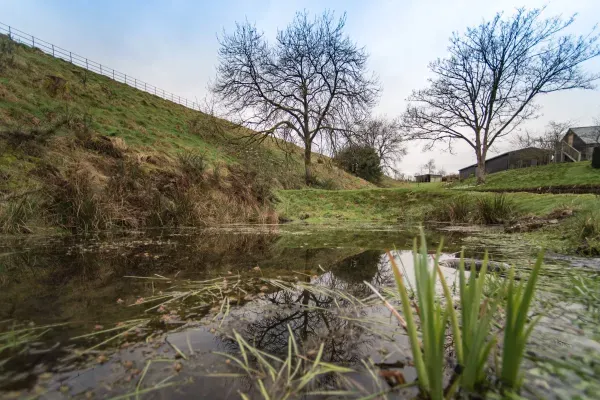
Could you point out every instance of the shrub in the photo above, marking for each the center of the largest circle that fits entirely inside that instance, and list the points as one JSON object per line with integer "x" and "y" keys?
{"x": 361, "y": 161}
{"x": 77, "y": 205}
{"x": 327, "y": 184}
{"x": 496, "y": 209}
{"x": 596, "y": 158}
{"x": 56, "y": 85}
{"x": 7, "y": 50}
{"x": 193, "y": 164}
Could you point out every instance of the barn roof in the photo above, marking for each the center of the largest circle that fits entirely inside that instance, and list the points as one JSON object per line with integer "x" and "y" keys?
{"x": 589, "y": 134}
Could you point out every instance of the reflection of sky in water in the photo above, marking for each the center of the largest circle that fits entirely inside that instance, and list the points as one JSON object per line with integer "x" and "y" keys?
{"x": 79, "y": 282}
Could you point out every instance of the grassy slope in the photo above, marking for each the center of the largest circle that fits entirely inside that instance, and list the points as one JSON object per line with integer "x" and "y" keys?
{"x": 564, "y": 174}
{"x": 103, "y": 141}
{"x": 405, "y": 204}
{"x": 145, "y": 122}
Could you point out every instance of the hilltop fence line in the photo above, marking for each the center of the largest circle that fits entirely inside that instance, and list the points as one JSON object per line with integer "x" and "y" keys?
{"x": 93, "y": 66}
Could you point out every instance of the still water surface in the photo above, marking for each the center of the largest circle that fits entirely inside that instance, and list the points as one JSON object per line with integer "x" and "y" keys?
{"x": 216, "y": 287}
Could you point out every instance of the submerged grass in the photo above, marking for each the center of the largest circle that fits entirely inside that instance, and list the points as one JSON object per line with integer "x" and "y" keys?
{"x": 281, "y": 379}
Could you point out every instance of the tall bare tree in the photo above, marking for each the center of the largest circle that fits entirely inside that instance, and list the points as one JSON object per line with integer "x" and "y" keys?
{"x": 486, "y": 87}
{"x": 383, "y": 135}
{"x": 306, "y": 84}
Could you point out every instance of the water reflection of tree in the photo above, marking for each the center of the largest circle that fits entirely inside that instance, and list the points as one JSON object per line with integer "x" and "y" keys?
{"x": 316, "y": 317}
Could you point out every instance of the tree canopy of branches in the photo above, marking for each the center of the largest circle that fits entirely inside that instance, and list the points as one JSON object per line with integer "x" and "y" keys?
{"x": 547, "y": 140}
{"x": 429, "y": 167}
{"x": 361, "y": 161}
{"x": 305, "y": 85}
{"x": 486, "y": 86}
{"x": 384, "y": 136}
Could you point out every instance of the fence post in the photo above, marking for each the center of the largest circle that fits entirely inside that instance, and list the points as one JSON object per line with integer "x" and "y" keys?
{"x": 9, "y": 33}
{"x": 32, "y": 41}
{"x": 125, "y": 78}
{"x": 86, "y": 64}
{"x": 145, "y": 90}
{"x": 52, "y": 50}
{"x": 113, "y": 74}
{"x": 71, "y": 57}
{"x": 135, "y": 83}
{"x": 100, "y": 69}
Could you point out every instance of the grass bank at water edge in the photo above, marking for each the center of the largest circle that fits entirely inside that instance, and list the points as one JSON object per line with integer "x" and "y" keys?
{"x": 81, "y": 152}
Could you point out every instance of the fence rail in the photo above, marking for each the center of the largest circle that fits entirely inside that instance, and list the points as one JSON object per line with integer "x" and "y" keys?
{"x": 93, "y": 66}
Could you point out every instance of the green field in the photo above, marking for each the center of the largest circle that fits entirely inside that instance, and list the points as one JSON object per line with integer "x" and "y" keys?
{"x": 563, "y": 174}
{"x": 392, "y": 205}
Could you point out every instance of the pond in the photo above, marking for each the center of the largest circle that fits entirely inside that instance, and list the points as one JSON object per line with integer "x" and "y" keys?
{"x": 204, "y": 313}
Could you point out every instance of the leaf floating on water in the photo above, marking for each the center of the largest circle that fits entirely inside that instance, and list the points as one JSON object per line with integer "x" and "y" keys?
{"x": 178, "y": 367}
{"x": 120, "y": 301}
{"x": 101, "y": 359}
{"x": 139, "y": 301}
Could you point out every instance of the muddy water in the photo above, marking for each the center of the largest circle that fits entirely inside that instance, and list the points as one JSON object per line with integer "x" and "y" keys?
{"x": 221, "y": 286}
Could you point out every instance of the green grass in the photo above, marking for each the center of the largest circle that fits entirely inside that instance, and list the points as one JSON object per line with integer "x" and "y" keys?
{"x": 390, "y": 205}
{"x": 563, "y": 174}
{"x": 148, "y": 124}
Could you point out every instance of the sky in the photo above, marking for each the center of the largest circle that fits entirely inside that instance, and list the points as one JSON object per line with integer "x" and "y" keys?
{"x": 173, "y": 45}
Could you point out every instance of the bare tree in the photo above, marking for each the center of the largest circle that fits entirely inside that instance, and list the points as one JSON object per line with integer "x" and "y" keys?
{"x": 384, "y": 136}
{"x": 429, "y": 166}
{"x": 486, "y": 87}
{"x": 548, "y": 140}
{"x": 302, "y": 87}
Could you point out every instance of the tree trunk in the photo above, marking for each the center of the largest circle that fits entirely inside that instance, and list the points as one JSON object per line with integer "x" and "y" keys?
{"x": 480, "y": 172}
{"x": 307, "y": 166}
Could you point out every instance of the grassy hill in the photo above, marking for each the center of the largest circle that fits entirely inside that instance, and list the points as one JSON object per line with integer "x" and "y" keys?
{"x": 83, "y": 152}
{"x": 552, "y": 175}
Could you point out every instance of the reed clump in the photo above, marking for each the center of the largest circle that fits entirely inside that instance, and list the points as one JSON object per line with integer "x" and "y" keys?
{"x": 471, "y": 327}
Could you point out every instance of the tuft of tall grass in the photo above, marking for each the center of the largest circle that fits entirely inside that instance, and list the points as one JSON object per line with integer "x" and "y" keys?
{"x": 495, "y": 209}
{"x": 192, "y": 164}
{"x": 455, "y": 210}
{"x": 516, "y": 329}
{"x": 472, "y": 339}
{"x": 16, "y": 213}
{"x": 587, "y": 225}
{"x": 428, "y": 356}
{"x": 472, "y": 334}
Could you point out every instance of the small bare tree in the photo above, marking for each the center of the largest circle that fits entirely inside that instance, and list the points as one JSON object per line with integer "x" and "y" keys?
{"x": 384, "y": 136}
{"x": 486, "y": 87}
{"x": 305, "y": 85}
{"x": 429, "y": 167}
{"x": 548, "y": 140}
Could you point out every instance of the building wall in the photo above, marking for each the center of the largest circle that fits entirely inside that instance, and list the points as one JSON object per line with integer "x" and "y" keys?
{"x": 515, "y": 159}
{"x": 576, "y": 142}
